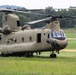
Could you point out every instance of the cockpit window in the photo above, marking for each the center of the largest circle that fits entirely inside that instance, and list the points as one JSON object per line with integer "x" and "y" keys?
{"x": 57, "y": 34}
{"x": 53, "y": 34}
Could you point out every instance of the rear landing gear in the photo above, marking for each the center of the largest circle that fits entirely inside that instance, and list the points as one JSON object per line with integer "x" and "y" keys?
{"x": 53, "y": 55}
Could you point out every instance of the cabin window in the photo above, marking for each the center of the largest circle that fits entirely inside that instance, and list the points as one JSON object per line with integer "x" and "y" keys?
{"x": 0, "y": 37}
{"x": 30, "y": 38}
{"x": 18, "y": 23}
{"x": 5, "y": 18}
{"x": 22, "y": 39}
{"x": 48, "y": 35}
{"x": 44, "y": 33}
{"x": 39, "y": 38}
{"x": 15, "y": 40}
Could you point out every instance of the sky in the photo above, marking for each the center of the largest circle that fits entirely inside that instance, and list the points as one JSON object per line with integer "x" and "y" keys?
{"x": 40, "y": 4}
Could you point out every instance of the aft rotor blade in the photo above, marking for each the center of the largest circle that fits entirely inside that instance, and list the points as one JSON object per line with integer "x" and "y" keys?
{"x": 66, "y": 17}
{"x": 33, "y": 22}
{"x": 55, "y": 17}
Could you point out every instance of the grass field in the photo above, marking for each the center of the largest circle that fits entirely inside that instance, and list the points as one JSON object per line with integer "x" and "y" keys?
{"x": 64, "y": 64}
{"x": 70, "y": 32}
{"x": 71, "y": 35}
{"x": 71, "y": 44}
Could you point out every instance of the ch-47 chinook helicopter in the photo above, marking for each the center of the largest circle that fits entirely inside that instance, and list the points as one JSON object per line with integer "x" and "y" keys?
{"x": 17, "y": 40}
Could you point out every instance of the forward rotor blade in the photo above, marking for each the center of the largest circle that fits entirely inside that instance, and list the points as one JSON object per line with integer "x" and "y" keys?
{"x": 6, "y": 10}
{"x": 33, "y": 22}
{"x": 24, "y": 12}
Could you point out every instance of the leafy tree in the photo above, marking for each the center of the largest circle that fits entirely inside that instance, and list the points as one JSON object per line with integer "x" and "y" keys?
{"x": 23, "y": 19}
{"x": 1, "y": 14}
{"x": 65, "y": 22}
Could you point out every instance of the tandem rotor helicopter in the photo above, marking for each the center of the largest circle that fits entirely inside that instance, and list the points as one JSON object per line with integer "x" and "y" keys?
{"x": 17, "y": 40}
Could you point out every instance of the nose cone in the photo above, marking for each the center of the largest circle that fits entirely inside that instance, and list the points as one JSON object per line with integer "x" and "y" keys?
{"x": 59, "y": 44}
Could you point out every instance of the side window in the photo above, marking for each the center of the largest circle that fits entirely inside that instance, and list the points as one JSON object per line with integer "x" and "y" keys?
{"x": 0, "y": 37}
{"x": 39, "y": 38}
{"x": 18, "y": 23}
{"x": 48, "y": 36}
{"x": 22, "y": 39}
{"x": 5, "y": 18}
{"x": 30, "y": 38}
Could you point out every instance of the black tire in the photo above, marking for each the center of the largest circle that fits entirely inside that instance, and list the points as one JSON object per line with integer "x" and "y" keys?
{"x": 53, "y": 56}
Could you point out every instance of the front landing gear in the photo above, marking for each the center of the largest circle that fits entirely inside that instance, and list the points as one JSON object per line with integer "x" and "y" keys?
{"x": 53, "y": 55}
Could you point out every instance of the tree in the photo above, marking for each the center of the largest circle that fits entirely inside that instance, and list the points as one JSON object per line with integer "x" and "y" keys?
{"x": 23, "y": 19}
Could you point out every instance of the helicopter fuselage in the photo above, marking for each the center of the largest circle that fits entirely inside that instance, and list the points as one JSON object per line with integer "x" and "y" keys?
{"x": 15, "y": 39}
{"x": 30, "y": 40}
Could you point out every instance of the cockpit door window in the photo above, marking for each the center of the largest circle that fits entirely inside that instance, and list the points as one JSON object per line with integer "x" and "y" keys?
{"x": 57, "y": 34}
{"x": 18, "y": 23}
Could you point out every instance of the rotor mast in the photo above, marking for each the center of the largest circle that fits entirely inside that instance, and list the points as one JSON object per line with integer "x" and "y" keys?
{"x": 53, "y": 24}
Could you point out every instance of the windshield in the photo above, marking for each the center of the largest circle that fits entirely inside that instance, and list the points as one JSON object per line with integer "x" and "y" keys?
{"x": 57, "y": 34}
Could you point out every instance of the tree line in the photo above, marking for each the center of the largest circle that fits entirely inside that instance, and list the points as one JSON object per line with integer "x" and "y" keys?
{"x": 65, "y": 22}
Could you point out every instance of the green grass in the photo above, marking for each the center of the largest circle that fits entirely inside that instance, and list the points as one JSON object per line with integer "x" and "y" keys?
{"x": 71, "y": 35}
{"x": 65, "y": 64}
{"x": 71, "y": 44}
{"x": 70, "y": 32}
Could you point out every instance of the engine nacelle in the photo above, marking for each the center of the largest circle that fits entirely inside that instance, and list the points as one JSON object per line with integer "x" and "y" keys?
{"x": 6, "y": 30}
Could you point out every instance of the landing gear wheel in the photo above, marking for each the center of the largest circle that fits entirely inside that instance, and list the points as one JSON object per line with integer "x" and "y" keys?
{"x": 53, "y": 56}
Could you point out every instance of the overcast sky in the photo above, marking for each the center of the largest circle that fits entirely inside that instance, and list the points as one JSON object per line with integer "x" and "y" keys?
{"x": 40, "y": 4}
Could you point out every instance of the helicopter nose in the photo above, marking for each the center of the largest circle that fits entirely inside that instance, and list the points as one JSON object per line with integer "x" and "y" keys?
{"x": 59, "y": 44}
